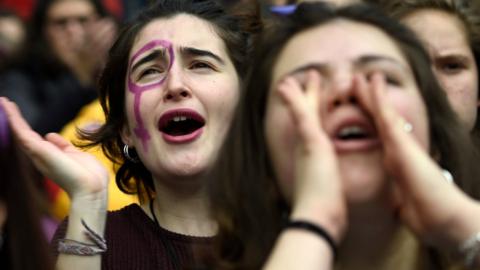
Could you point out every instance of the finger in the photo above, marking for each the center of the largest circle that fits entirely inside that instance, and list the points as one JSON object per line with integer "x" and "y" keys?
{"x": 102, "y": 31}
{"x": 60, "y": 142}
{"x": 20, "y": 128}
{"x": 303, "y": 109}
{"x": 294, "y": 98}
{"x": 383, "y": 115}
{"x": 393, "y": 128}
{"x": 363, "y": 91}
{"x": 102, "y": 38}
{"x": 312, "y": 92}
{"x": 40, "y": 151}
{"x": 413, "y": 169}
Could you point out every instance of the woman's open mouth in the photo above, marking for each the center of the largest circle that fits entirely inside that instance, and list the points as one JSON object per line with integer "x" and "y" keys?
{"x": 181, "y": 125}
{"x": 355, "y": 136}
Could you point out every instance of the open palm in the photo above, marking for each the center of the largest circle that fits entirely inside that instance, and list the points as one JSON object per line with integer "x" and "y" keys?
{"x": 79, "y": 173}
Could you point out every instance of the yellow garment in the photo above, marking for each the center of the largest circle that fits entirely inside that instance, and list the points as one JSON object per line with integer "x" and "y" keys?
{"x": 91, "y": 116}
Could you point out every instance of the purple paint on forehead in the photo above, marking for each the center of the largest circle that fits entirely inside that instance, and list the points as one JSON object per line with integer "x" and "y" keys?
{"x": 140, "y": 130}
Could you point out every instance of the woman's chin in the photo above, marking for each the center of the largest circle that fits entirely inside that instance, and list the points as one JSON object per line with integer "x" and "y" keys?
{"x": 179, "y": 171}
{"x": 364, "y": 184}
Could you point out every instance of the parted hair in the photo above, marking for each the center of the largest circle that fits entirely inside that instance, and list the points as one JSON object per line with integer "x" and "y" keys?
{"x": 235, "y": 31}
{"x": 247, "y": 203}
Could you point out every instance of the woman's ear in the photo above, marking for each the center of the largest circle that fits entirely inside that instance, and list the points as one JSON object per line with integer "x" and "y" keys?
{"x": 126, "y": 135}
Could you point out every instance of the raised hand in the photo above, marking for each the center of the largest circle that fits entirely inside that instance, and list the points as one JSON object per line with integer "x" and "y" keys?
{"x": 318, "y": 187}
{"x": 100, "y": 35}
{"x": 318, "y": 196}
{"x": 434, "y": 209}
{"x": 79, "y": 173}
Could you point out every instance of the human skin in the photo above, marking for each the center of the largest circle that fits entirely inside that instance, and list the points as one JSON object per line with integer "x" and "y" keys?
{"x": 196, "y": 81}
{"x": 78, "y": 37}
{"x": 453, "y": 62}
{"x": 318, "y": 86}
{"x": 12, "y": 33}
{"x": 181, "y": 79}
{"x": 363, "y": 174}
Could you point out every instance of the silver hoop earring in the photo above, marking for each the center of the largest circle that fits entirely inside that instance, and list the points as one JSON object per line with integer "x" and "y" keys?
{"x": 128, "y": 156}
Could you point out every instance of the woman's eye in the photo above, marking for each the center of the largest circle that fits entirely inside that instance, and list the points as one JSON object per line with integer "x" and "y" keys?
{"x": 149, "y": 71}
{"x": 451, "y": 67}
{"x": 392, "y": 80}
{"x": 389, "y": 79}
{"x": 200, "y": 65}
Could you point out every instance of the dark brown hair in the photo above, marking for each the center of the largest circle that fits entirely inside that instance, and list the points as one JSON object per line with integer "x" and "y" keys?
{"x": 246, "y": 201}
{"x": 24, "y": 244}
{"x": 134, "y": 178}
{"x": 464, "y": 10}
{"x": 37, "y": 46}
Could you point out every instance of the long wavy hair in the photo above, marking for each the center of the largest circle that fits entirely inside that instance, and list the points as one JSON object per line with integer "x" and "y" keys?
{"x": 243, "y": 191}
{"x": 24, "y": 244}
{"x": 236, "y": 31}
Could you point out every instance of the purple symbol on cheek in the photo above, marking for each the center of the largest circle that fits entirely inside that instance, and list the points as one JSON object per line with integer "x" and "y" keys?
{"x": 140, "y": 130}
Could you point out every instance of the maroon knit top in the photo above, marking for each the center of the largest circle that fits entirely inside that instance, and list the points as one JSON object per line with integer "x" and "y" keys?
{"x": 134, "y": 241}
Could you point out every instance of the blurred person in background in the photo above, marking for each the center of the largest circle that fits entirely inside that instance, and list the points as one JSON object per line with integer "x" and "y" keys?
{"x": 450, "y": 31}
{"x": 66, "y": 47}
{"x": 12, "y": 36}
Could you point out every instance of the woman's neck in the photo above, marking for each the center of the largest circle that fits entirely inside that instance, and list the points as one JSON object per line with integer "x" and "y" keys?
{"x": 377, "y": 240}
{"x": 182, "y": 208}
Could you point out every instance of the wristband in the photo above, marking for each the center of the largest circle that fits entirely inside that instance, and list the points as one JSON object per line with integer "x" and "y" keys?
{"x": 316, "y": 229}
{"x": 69, "y": 246}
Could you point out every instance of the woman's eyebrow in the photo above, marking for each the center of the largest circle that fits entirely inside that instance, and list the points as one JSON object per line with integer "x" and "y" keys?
{"x": 190, "y": 51}
{"x": 149, "y": 57}
{"x": 373, "y": 58}
{"x": 452, "y": 56}
{"x": 318, "y": 66}
{"x": 360, "y": 62}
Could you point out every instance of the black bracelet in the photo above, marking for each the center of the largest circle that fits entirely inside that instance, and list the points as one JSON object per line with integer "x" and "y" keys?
{"x": 305, "y": 225}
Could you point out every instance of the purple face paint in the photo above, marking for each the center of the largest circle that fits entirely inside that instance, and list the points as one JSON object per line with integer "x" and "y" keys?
{"x": 140, "y": 130}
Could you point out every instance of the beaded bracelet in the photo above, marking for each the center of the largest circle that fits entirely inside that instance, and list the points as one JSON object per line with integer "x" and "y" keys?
{"x": 74, "y": 247}
{"x": 318, "y": 230}
{"x": 470, "y": 249}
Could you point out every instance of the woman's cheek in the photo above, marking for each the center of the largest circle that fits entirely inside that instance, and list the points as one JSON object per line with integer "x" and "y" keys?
{"x": 410, "y": 106}
{"x": 281, "y": 139}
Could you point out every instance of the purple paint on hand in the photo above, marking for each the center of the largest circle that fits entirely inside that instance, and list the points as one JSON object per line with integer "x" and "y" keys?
{"x": 4, "y": 129}
{"x": 140, "y": 131}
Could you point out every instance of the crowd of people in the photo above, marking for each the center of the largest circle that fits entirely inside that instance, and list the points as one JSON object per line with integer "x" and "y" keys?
{"x": 206, "y": 134}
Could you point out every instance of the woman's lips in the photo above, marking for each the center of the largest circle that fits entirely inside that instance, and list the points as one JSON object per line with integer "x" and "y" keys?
{"x": 181, "y": 125}
{"x": 355, "y": 145}
{"x": 353, "y": 134}
{"x": 182, "y": 138}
